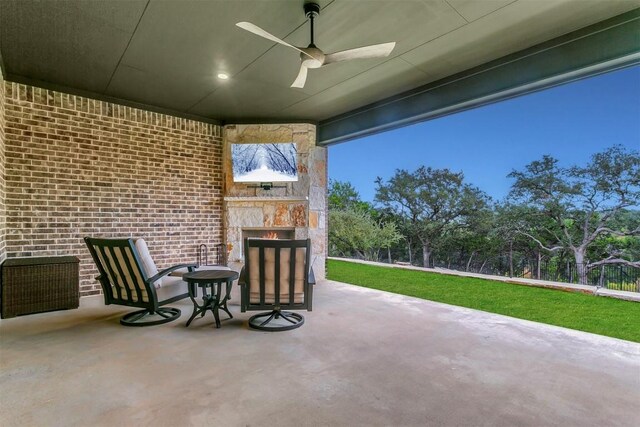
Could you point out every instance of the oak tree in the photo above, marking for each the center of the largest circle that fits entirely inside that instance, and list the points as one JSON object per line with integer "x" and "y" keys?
{"x": 581, "y": 202}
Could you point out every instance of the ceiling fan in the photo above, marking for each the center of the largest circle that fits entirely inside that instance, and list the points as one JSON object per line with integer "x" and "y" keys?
{"x": 311, "y": 56}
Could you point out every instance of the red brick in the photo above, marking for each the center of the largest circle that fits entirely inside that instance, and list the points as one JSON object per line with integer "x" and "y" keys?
{"x": 71, "y": 166}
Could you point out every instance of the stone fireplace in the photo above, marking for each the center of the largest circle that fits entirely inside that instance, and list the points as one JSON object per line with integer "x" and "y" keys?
{"x": 291, "y": 210}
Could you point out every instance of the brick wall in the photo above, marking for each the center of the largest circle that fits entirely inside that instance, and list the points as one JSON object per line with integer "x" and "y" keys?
{"x": 3, "y": 222}
{"x": 79, "y": 167}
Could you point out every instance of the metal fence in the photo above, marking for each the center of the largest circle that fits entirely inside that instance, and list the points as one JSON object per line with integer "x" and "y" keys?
{"x": 612, "y": 276}
{"x": 616, "y": 277}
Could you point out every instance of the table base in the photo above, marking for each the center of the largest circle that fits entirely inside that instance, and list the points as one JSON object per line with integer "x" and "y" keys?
{"x": 210, "y": 301}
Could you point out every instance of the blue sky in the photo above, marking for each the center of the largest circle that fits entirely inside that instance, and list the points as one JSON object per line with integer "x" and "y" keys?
{"x": 569, "y": 122}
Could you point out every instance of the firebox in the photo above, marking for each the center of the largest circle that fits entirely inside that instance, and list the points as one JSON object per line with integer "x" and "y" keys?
{"x": 268, "y": 233}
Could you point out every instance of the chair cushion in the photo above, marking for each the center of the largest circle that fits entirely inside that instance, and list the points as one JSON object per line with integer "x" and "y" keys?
{"x": 254, "y": 298}
{"x": 270, "y": 279}
{"x": 125, "y": 284}
{"x": 147, "y": 262}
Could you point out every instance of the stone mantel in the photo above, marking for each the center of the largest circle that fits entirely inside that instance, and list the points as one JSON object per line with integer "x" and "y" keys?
{"x": 274, "y": 199}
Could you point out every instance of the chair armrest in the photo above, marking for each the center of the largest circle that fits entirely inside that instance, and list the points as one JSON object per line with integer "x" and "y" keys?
{"x": 312, "y": 277}
{"x": 166, "y": 271}
{"x": 242, "y": 280}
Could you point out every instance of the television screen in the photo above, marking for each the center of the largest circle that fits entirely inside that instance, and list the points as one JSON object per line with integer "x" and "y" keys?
{"x": 264, "y": 162}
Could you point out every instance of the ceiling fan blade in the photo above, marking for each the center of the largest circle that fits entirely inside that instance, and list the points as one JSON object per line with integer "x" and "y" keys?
{"x": 301, "y": 79}
{"x": 262, "y": 33}
{"x": 373, "y": 51}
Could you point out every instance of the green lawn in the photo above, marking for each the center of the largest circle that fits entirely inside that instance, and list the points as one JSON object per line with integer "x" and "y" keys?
{"x": 599, "y": 315}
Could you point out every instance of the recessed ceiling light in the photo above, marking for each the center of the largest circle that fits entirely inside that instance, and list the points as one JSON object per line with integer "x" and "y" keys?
{"x": 223, "y": 76}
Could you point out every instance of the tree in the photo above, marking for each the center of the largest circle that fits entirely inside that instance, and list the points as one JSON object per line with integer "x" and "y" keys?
{"x": 356, "y": 226}
{"x": 467, "y": 245}
{"x": 476, "y": 238}
{"x": 356, "y": 231}
{"x": 342, "y": 196}
{"x": 626, "y": 246}
{"x": 512, "y": 222}
{"x": 582, "y": 202}
{"x": 429, "y": 200}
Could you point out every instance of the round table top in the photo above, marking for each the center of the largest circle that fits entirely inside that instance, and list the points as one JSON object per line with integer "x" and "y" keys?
{"x": 206, "y": 276}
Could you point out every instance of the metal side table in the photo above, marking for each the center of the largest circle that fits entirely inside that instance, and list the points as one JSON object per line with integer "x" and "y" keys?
{"x": 210, "y": 281}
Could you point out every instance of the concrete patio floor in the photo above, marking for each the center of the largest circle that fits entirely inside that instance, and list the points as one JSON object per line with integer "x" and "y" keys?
{"x": 363, "y": 358}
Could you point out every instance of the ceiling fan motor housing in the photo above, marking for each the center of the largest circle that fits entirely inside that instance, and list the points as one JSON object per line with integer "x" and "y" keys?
{"x": 316, "y": 61}
{"x": 311, "y": 10}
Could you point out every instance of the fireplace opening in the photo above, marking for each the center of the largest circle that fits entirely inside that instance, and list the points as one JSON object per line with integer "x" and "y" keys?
{"x": 268, "y": 233}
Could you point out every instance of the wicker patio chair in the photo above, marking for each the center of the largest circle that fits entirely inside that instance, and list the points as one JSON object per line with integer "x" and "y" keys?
{"x": 129, "y": 277}
{"x": 276, "y": 276}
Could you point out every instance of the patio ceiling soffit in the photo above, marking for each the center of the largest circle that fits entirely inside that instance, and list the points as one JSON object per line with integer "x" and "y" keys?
{"x": 606, "y": 46}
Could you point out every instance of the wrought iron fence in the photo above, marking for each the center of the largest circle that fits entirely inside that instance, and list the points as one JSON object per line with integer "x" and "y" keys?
{"x": 616, "y": 277}
{"x": 612, "y": 276}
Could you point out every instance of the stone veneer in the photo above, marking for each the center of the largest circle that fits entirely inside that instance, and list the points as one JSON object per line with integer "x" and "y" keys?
{"x": 78, "y": 167}
{"x": 300, "y": 205}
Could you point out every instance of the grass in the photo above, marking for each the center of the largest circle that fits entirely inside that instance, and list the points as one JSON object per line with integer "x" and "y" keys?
{"x": 624, "y": 286}
{"x": 598, "y": 315}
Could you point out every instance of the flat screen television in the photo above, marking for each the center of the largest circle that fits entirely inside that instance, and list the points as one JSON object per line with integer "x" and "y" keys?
{"x": 271, "y": 162}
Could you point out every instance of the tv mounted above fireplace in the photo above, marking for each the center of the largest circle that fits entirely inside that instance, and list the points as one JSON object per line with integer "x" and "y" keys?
{"x": 265, "y": 163}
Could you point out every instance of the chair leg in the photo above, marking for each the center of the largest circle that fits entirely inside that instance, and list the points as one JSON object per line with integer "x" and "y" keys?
{"x": 295, "y": 319}
{"x": 166, "y": 314}
{"x": 269, "y": 319}
{"x": 288, "y": 316}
